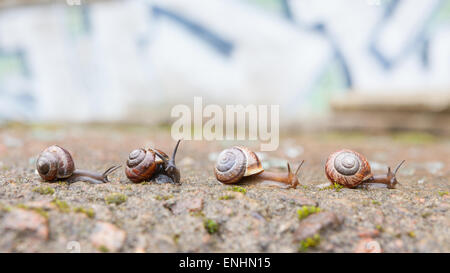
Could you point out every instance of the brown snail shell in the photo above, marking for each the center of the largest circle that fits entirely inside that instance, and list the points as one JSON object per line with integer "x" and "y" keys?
{"x": 55, "y": 163}
{"x": 142, "y": 164}
{"x": 235, "y": 163}
{"x": 347, "y": 168}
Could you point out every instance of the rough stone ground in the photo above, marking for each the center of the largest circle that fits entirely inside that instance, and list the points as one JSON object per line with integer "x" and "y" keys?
{"x": 169, "y": 218}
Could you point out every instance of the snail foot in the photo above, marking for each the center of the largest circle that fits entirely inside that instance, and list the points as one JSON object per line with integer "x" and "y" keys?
{"x": 86, "y": 179}
{"x": 162, "y": 179}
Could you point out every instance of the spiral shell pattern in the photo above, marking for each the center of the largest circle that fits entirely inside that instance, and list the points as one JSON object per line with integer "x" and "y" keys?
{"x": 347, "y": 168}
{"x": 159, "y": 160}
{"x": 235, "y": 163}
{"x": 55, "y": 163}
{"x": 140, "y": 165}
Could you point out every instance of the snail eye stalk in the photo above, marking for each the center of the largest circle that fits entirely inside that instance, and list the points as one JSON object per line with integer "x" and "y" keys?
{"x": 398, "y": 167}
{"x": 175, "y": 150}
{"x": 299, "y": 166}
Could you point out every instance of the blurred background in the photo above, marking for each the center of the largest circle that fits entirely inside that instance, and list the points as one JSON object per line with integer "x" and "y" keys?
{"x": 353, "y": 64}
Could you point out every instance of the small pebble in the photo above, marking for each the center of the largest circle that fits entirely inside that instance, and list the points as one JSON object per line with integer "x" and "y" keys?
{"x": 369, "y": 233}
{"x": 107, "y": 237}
{"x": 297, "y": 198}
{"x": 27, "y": 221}
{"x": 186, "y": 205}
{"x": 315, "y": 223}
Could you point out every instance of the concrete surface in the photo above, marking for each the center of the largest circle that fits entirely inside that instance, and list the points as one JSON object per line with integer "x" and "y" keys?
{"x": 203, "y": 215}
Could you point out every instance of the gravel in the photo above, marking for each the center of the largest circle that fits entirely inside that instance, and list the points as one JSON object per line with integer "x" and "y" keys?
{"x": 202, "y": 215}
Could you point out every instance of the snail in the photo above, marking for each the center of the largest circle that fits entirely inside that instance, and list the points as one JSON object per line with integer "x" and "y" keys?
{"x": 239, "y": 163}
{"x": 56, "y": 163}
{"x": 152, "y": 164}
{"x": 351, "y": 169}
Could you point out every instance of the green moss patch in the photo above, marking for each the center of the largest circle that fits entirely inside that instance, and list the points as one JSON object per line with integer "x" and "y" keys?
{"x": 163, "y": 197}
{"x": 197, "y": 213}
{"x": 5, "y": 208}
{"x": 442, "y": 193}
{"x": 88, "y": 211}
{"x": 103, "y": 249}
{"x": 238, "y": 189}
{"x": 176, "y": 238}
{"x": 44, "y": 190}
{"x": 379, "y": 228}
{"x": 116, "y": 198}
{"x": 335, "y": 186}
{"x": 211, "y": 226}
{"x": 61, "y": 205}
{"x": 309, "y": 242}
{"x": 226, "y": 197}
{"x": 305, "y": 211}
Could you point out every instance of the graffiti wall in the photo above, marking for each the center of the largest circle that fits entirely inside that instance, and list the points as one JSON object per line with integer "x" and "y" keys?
{"x": 121, "y": 60}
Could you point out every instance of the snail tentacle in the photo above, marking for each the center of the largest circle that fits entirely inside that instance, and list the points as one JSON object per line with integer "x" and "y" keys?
{"x": 398, "y": 166}
{"x": 92, "y": 177}
{"x": 285, "y": 181}
{"x": 389, "y": 180}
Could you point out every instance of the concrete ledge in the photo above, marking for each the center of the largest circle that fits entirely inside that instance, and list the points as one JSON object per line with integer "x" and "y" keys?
{"x": 430, "y": 102}
{"x": 384, "y": 111}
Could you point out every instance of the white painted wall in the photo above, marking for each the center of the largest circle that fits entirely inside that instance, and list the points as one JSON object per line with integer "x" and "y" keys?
{"x": 113, "y": 60}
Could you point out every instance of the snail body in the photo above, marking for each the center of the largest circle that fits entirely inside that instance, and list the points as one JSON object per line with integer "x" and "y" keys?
{"x": 239, "y": 163}
{"x": 351, "y": 169}
{"x": 152, "y": 164}
{"x": 56, "y": 163}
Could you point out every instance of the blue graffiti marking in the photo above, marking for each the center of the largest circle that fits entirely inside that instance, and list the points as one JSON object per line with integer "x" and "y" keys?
{"x": 286, "y": 10}
{"x": 213, "y": 39}
{"x": 425, "y": 53}
{"x": 15, "y": 104}
{"x": 419, "y": 44}
{"x": 321, "y": 29}
{"x": 19, "y": 55}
